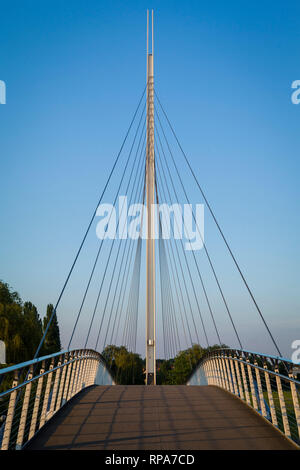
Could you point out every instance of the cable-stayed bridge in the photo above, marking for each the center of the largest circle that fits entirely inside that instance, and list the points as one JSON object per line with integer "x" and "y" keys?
{"x": 233, "y": 399}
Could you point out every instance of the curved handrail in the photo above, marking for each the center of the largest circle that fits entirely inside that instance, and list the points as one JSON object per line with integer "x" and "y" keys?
{"x": 34, "y": 396}
{"x": 256, "y": 379}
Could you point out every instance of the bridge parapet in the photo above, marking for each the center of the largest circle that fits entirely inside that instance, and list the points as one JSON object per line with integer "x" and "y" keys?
{"x": 266, "y": 383}
{"x": 33, "y": 391}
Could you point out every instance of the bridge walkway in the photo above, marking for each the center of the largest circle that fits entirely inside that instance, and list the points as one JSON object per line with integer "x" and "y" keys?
{"x": 165, "y": 417}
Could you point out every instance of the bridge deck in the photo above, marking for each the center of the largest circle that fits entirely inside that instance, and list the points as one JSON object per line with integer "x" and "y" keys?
{"x": 161, "y": 417}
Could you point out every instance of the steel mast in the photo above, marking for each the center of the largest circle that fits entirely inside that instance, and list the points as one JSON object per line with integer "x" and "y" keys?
{"x": 150, "y": 243}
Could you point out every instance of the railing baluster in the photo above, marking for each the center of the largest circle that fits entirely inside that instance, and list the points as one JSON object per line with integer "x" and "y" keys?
{"x": 78, "y": 373}
{"x": 285, "y": 420}
{"x": 24, "y": 412}
{"x": 217, "y": 374}
{"x": 241, "y": 392}
{"x": 207, "y": 369}
{"x": 235, "y": 388}
{"x": 252, "y": 388}
{"x": 226, "y": 378}
{"x": 260, "y": 392}
{"x": 220, "y": 375}
{"x": 94, "y": 368}
{"x": 82, "y": 376}
{"x": 36, "y": 403}
{"x": 270, "y": 397}
{"x": 229, "y": 375}
{"x": 295, "y": 403}
{"x": 62, "y": 383}
{"x": 46, "y": 396}
{"x": 232, "y": 370}
{"x": 89, "y": 372}
{"x": 72, "y": 376}
{"x": 9, "y": 416}
{"x": 55, "y": 388}
{"x": 247, "y": 394}
{"x": 67, "y": 381}
{"x": 35, "y": 400}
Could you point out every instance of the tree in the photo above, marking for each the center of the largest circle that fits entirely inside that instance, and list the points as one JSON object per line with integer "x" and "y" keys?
{"x": 52, "y": 340}
{"x": 178, "y": 370}
{"x": 32, "y": 328}
{"x": 126, "y": 367}
{"x": 7, "y": 296}
{"x": 22, "y": 329}
{"x": 20, "y": 326}
{"x": 164, "y": 368}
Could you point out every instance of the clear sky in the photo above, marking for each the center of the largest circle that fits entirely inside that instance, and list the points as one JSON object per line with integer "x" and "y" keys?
{"x": 74, "y": 71}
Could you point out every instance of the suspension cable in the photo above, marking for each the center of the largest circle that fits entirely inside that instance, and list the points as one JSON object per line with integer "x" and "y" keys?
{"x": 221, "y": 233}
{"x": 204, "y": 244}
{"x": 87, "y": 230}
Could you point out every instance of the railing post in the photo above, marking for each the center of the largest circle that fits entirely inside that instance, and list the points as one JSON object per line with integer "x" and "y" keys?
{"x": 208, "y": 373}
{"x": 285, "y": 420}
{"x": 270, "y": 397}
{"x": 10, "y": 415}
{"x": 220, "y": 374}
{"x": 231, "y": 389}
{"x": 24, "y": 412}
{"x": 55, "y": 387}
{"x": 94, "y": 368}
{"x": 204, "y": 369}
{"x": 67, "y": 381}
{"x": 212, "y": 371}
{"x": 295, "y": 402}
{"x": 252, "y": 388}
{"x": 73, "y": 376}
{"x": 85, "y": 373}
{"x": 36, "y": 403}
{"x": 225, "y": 374}
{"x": 217, "y": 374}
{"x": 78, "y": 372}
{"x": 260, "y": 392}
{"x": 241, "y": 392}
{"x": 62, "y": 383}
{"x": 247, "y": 395}
{"x": 46, "y": 396}
{"x": 235, "y": 388}
{"x": 81, "y": 383}
{"x": 89, "y": 372}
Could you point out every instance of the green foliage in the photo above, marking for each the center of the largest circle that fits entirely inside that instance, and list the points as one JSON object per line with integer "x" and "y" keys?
{"x": 164, "y": 368}
{"x": 33, "y": 324}
{"x": 52, "y": 339}
{"x": 7, "y": 296}
{"x": 127, "y": 367}
{"x": 21, "y": 327}
{"x": 177, "y": 371}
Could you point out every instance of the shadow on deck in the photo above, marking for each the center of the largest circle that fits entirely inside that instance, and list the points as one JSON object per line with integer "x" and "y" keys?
{"x": 135, "y": 417}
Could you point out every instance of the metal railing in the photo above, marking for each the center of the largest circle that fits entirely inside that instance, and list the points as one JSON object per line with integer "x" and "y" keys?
{"x": 32, "y": 392}
{"x": 266, "y": 383}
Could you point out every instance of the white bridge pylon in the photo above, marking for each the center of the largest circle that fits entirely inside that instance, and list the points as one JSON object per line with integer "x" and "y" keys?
{"x": 150, "y": 245}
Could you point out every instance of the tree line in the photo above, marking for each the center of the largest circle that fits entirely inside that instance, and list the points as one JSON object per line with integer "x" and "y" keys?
{"x": 129, "y": 368}
{"x": 21, "y": 327}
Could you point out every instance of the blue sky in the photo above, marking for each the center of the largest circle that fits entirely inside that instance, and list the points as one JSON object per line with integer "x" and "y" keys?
{"x": 74, "y": 72}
